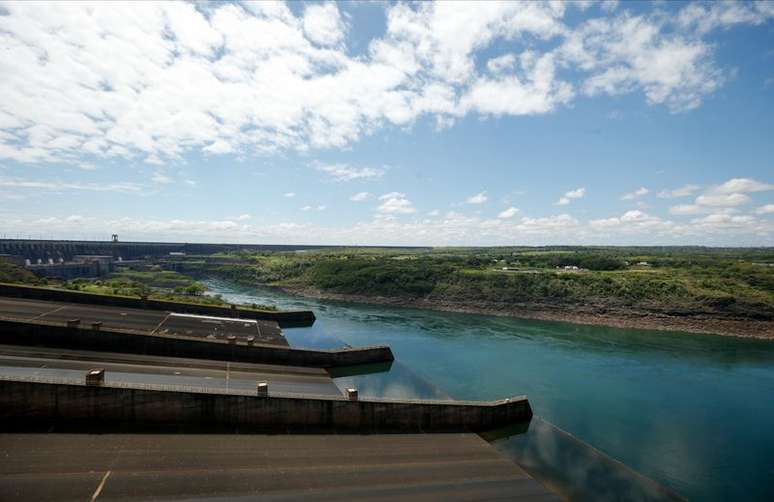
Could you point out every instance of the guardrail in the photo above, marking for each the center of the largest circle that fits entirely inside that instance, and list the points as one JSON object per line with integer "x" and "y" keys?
{"x": 285, "y": 319}
{"x": 98, "y": 338}
{"x": 115, "y": 404}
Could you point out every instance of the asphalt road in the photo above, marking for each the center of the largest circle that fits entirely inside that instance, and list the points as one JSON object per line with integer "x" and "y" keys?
{"x": 69, "y": 364}
{"x": 151, "y": 321}
{"x": 273, "y": 467}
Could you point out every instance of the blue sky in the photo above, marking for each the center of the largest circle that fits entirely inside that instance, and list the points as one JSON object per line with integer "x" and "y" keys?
{"x": 389, "y": 123}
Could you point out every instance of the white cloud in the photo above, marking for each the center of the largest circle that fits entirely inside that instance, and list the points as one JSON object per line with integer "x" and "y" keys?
{"x": 722, "y": 199}
{"x": 578, "y": 193}
{"x": 395, "y": 203}
{"x": 360, "y": 196}
{"x": 321, "y": 208}
{"x": 683, "y": 191}
{"x": 705, "y": 17}
{"x": 434, "y": 212}
{"x": 343, "y": 172}
{"x": 634, "y": 222}
{"x": 731, "y": 194}
{"x": 743, "y": 185}
{"x": 61, "y": 186}
{"x": 685, "y": 209}
{"x": 161, "y": 179}
{"x": 323, "y": 24}
{"x": 632, "y": 227}
{"x": 289, "y": 195}
{"x": 766, "y": 209}
{"x": 508, "y": 213}
{"x": 85, "y": 81}
{"x": 479, "y": 198}
{"x": 243, "y": 217}
{"x": 306, "y": 208}
{"x": 635, "y": 194}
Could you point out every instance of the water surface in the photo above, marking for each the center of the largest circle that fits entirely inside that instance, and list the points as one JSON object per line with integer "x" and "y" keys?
{"x": 693, "y": 412}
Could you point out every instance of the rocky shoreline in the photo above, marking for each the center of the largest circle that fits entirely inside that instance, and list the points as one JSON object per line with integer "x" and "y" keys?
{"x": 588, "y": 315}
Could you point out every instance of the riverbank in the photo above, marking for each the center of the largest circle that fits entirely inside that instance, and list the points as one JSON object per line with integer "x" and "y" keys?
{"x": 587, "y": 315}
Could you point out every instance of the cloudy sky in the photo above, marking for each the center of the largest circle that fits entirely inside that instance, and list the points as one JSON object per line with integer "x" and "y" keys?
{"x": 385, "y": 123}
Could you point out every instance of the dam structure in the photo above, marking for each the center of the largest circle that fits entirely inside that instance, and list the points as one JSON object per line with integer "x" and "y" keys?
{"x": 45, "y": 249}
{"x": 104, "y": 399}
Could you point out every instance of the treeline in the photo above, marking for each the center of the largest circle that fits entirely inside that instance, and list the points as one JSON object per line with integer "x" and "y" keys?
{"x": 726, "y": 282}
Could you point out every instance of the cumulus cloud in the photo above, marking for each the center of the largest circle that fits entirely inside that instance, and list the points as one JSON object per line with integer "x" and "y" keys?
{"x": 62, "y": 186}
{"x": 686, "y": 209}
{"x": 683, "y": 191}
{"x": 155, "y": 81}
{"x": 479, "y": 198}
{"x": 635, "y": 194}
{"x": 743, "y": 185}
{"x": 766, "y": 209}
{"x": 626, "y": 53}
{"x": 729, "y": 195}
{"x": 289, "y": 195}
{"x": 578, "y": 193}
{"x": 243, "y": 217}
{"x": 344, "y": 172}
{"x": 395, "y": 203}
{"x": 360, "y": 196}
{"x": 508, "y": 213}
{"x": 705, "y": 17}
{"x": 722, "y": 199}
{"x": 323, "y": 24}
{"x": 632, "y": 227}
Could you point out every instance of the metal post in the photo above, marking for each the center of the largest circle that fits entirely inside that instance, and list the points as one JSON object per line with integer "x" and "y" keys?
{"x": 95, "y": 376}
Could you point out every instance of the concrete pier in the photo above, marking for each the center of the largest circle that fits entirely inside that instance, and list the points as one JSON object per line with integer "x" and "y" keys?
{"x": 285, "y": 319}
{"x": 53, "y": 334}
{"x": 30, "y": 399}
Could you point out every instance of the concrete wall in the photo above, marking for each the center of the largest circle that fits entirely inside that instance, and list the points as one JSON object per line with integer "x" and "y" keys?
{"x": 285, "y": 319}
{"x": 25, "y": 400}
{"x": 56, "y": 335}
{"x": 66, "y": 270}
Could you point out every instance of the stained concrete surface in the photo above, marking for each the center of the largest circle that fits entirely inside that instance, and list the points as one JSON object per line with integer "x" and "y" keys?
{"x": 273, "y": 467}
{"x": 129, "y": 368}
{"x": 150, "y": 321}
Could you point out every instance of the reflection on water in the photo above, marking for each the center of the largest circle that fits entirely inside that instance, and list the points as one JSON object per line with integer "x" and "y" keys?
{"x": 693, "y": 412}
{"x": 572, "y": 468}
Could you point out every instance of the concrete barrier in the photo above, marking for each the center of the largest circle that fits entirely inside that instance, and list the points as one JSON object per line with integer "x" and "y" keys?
{"x": 285, "y": 319}
{"x": 58, "y": 335}
{"x": 112, "y": 405}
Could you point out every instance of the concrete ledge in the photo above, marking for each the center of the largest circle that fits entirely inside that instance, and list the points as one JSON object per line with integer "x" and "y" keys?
{"x": 285, "y": 319}
{"x": 115, "y": 404}
{"x": 58, "y": 335}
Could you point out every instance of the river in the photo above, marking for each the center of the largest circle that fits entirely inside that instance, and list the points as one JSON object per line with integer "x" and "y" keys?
{"x": 693, "y": 412}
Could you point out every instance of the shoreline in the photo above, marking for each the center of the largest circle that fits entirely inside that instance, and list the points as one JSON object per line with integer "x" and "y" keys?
{"x": 700, "y": 324}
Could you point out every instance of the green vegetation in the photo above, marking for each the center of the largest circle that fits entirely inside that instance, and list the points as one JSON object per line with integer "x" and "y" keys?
{"x": 10, "y": 272}
{"x": 154, "y": 283}
{"x": 736, "y": 283}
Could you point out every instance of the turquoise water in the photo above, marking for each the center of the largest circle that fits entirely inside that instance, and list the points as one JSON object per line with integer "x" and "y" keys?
{"x": 693, "y": 412}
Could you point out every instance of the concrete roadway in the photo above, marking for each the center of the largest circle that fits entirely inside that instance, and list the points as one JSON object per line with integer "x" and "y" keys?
{"x": 129, "y": 368}
{"x": 272, "y": 467}
{"x": 150, "y": 321}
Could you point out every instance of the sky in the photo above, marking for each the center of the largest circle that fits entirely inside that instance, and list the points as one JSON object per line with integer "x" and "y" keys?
{"x": 512, "y": 123}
